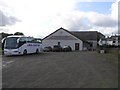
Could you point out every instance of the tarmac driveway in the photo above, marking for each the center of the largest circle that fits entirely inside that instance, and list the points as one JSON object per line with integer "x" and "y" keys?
{"x": 59, "y": 70}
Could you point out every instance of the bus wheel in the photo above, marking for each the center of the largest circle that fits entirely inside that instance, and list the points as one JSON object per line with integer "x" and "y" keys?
{"x": 25, "y": 52}
{"x": 37, "y": 51}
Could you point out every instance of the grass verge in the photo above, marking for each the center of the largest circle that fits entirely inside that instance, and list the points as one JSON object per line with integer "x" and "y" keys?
{"x": 111, "y": 57}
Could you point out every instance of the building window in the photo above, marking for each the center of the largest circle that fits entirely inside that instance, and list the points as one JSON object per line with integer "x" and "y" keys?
{"x": 91, "y": 45}
{"x": 113, "y": 41}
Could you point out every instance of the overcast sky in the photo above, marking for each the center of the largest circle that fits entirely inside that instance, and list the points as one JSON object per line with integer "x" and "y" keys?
{"x": 39, "y": 18}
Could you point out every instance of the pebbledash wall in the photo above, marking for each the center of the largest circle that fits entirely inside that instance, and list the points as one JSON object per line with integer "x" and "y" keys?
{"x": 62, "y": 37}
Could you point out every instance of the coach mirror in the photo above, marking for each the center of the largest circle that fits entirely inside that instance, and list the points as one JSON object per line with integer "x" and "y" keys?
{"x": 18, "y": 40}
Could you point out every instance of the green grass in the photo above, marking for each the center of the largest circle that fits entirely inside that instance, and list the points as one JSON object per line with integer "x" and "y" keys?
{"x": 110, "y": 57}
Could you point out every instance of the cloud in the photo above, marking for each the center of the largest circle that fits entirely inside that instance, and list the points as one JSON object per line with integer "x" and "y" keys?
{"x": 114, "y": 10}
{"x": 42, "y": 17}
{"x": 75, "y": 21}
{"x": 7, "y": 20}
{"x": 78, "y": 24}
{"x": 78, "y": 20}
{"x": 109, "y": 30}
{"x": 105, "y": 23}
{"x": 101, "y": 20}
{"x": 3, "y": 29}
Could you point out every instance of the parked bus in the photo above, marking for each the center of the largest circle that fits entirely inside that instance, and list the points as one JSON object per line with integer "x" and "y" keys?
{"x": 21, "y": 45}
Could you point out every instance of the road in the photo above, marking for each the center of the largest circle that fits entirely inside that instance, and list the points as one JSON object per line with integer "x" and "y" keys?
{"x": 59, "y": 70}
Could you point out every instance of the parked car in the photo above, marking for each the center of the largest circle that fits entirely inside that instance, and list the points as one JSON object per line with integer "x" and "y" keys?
{"x": 57, "y": 48}
{"x": 67, "y": 49}
{"x": 47, "y": 49}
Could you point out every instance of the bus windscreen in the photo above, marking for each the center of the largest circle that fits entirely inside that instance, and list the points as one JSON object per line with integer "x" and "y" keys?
{"x": 11, "y": 43}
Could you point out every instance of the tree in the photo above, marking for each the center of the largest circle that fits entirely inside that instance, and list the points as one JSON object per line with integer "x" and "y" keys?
{"x": 18, "y": 33}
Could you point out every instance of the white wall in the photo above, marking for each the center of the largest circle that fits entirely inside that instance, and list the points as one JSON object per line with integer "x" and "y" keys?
{"x": 109, "y": 42}
{"x": 71, "y": 43}
{"x": 61, "y": 33}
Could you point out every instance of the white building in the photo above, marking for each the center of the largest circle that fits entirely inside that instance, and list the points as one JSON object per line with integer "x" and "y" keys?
{"x": 63, "y": 37}
{"x": 111, "y": 41}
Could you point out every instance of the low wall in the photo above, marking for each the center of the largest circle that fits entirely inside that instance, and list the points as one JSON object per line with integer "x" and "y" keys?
{"x": 112, "y": 50}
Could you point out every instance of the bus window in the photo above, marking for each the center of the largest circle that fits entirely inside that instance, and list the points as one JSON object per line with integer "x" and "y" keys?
{"x": 22, "y": 39}
{"x": 29, "y": 39}
{"x": 37, "y": 40}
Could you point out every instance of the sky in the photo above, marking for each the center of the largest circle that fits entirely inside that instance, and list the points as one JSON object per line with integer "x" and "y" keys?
{"x": 39, "y": 18}
{"x": 100, "y": 7}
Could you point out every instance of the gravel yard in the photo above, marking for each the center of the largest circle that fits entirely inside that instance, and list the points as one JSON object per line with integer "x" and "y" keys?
{"x": 60, "y": 70}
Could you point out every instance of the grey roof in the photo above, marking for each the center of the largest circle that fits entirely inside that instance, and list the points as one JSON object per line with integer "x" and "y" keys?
{"x": 88, "y": 35}
{"x": 82, "y": 35}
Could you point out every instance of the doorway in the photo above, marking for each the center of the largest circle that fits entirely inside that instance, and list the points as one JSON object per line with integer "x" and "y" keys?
{"x": 76, "y": 46}
{"x": 58, "y": 43}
